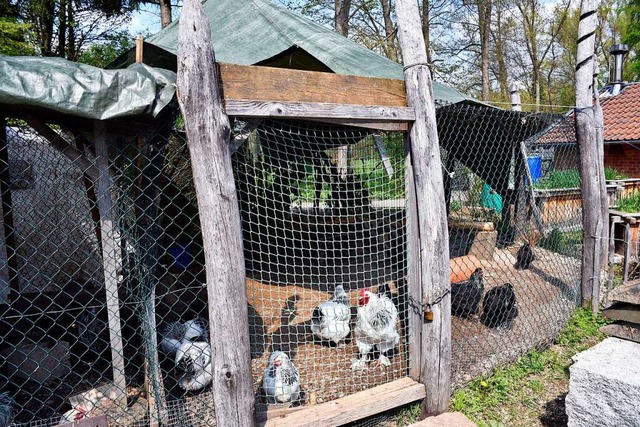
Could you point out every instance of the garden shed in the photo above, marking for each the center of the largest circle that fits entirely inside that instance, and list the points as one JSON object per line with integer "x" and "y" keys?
{"x": 323, "y": 202}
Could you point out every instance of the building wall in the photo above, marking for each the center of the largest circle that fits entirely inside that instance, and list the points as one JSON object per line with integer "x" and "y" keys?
{"x": 623, "y": 157}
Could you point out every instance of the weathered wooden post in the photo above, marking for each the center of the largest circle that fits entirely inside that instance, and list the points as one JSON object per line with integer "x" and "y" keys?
{"x": 428, "y": 257}
{"x": 587, "y": 138}
{"x": 208, "y": 132}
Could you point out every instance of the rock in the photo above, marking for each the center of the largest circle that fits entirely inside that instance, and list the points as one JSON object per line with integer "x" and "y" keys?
{"x": 604, "y": 386}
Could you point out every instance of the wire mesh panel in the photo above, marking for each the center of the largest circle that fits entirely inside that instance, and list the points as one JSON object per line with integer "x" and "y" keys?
{"x": 323, "y": 221}
{"x": 515, "y": 233}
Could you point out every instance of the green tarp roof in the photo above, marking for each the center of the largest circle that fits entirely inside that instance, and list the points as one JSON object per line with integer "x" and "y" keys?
{"x": 248, "y": 32}
{"x": 80, "y": 90}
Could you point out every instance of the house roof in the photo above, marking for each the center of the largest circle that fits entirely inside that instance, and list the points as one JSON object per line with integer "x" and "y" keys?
{"x": 621, "y": 119}
{"x": 250, "y": 32}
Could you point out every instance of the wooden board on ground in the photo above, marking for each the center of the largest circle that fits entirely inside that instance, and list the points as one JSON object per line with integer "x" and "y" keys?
{"x": 100, "y": 421}
{"x": 628, "y": 293}
{"x": 448, "y": 419}
{"x": 624, "y": 330}
{"x": 623, "y": 311}
{"x": 354, "y": 407}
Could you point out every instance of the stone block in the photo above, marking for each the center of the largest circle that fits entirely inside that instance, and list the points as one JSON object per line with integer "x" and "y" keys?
{"x": 37, "y": 361}
{"x": 604, "y": 386}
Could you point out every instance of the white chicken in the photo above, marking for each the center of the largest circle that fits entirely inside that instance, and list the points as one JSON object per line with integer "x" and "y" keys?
{"x": 6, "y": 409}
{"x": 176, "y": 333}
{"x": 281, "y": 381}
{"x": 330, "y": 320}
{"x": 375, "y": 327}
{"x": 195, "y": 359}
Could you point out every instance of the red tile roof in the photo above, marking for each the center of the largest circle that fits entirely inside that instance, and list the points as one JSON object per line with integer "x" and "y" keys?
{"x": 621, "y": 119}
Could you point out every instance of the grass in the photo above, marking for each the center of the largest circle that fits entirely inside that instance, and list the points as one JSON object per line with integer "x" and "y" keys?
{"x": 570, "y": 178}
{"x": 516, "y": 395}
{"x": 562, "y": 242}
{"x": 520, "y": 394}
{"x": 630, "y": 203}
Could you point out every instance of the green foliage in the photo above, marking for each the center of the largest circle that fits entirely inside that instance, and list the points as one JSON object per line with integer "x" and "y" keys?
{"x": 102, "y": 54}
{"x": 630, "y": 203}
{"x": 632, "y": 37}
{"x": 13, "y": 38}
{"x": 499, "y": 398}
{"x": 562, "y": 242}
{"x": 569, "y": 178}
{"x": 612, "y": 173}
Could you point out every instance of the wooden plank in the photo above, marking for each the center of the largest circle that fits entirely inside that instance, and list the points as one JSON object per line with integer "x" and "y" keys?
{"x": 612, "y": 248}
{"x": 367, "y": 124}
{"x": 414, "y": 280}
{"x": 629, "y": 293}
{"x": 9, "y": 241}
{"x": 448, "y": 419}
{"x": 110, "y": 257}
{"x": 432, "y": 217}
{"x": 471, "y": 225}
{"x": 242, "y": 82}
{"x": 623, "y": 311}
{"x": 384, "y": 156}
{"x": 139, "y": 50}
{"x": 208, "y": 134}
{"x": 624, "y": 330}
{"x": 309, "y": 110}
{"x": 353, "y": 407}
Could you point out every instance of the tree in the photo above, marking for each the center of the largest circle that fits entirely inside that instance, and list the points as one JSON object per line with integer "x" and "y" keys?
{"x": 13, "y": 33}
{"x": 102, "y": 54}
{"x": 632, "y": 37}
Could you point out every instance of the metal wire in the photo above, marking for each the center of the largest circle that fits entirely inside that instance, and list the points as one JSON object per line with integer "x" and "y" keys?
{"x": 321, "y": 206}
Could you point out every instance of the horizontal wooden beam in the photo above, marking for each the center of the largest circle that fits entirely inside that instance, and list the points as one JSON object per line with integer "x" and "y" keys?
{"x": 350, "y": 408}
{"x": 311, "y": 110}
{"x": 250, "y": 82}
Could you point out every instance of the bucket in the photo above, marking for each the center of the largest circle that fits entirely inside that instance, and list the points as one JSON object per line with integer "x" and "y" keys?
{"x": 535, "y": 167}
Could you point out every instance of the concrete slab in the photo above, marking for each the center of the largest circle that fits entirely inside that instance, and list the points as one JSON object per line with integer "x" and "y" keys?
{"x": 604, "y": 386}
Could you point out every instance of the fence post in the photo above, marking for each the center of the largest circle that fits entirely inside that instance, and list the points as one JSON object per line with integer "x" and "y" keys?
{"x": 208, "y": 130}
{"x": 8, "y": 242}
{"x": 432, "y": 258}
{"x": 591, "y": 168}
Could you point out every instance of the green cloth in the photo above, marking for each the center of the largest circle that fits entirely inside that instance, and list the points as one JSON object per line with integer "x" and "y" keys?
{"x": 490, "y": 199}
{"x": 84, "y": 91}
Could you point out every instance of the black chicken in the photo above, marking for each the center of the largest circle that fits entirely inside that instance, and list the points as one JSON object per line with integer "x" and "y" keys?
{"x": 466, "y": 296}
{"x": 525, "y": 257}
{"x": 499, "y": 307}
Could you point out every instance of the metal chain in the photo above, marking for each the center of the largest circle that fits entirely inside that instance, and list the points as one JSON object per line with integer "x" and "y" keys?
{"x": 420, "y": 307}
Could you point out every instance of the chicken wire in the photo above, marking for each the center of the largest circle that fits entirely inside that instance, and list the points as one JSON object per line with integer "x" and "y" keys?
{"x": 321, "y": 206}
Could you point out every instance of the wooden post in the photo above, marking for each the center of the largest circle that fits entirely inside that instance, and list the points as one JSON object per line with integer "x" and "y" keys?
{"x": 7, "y": 212}
{"x": 587, "y": 138}
{"x": 139, "y": 50}
{"x": 514, "y": 94}
{"x": 627, "y": 251}
{"x": 208, "y": 134}
{"x": 110, "y": 258}
{"x": 432, "y": 260}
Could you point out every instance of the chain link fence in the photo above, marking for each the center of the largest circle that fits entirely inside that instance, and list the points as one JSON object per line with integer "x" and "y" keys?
{"x": 323, "y": 218}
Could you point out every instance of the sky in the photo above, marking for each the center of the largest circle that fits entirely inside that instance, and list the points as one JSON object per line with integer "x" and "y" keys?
{"x": 146, "y": 21}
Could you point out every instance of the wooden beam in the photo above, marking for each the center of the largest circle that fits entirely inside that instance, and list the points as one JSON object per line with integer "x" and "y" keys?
{"x": 587, "y": 138}
{"x": 624, "y": 330}
{"x": 629, "y": 293}
{"x": 255, "y": 83}
{"x": 110, "y": 258}
{"x": 208, "y": 134}
{"x": 63, "y": 146}
{"x": 431, "y": 229}
{"x": 368, "y": 124}
{"x": 7, "y": 213}
{"x": 350, "y": 408}
{"x": 139, "y": 50}
{"x": 623, "y": 311}
{"x": 309, "y": 110}
{"x": 627, "y": 252}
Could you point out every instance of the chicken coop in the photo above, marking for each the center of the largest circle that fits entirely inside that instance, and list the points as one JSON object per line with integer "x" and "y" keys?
{"x": 105, "y": 301}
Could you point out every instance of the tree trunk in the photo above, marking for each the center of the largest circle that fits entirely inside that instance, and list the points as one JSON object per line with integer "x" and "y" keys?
{"x": 432, "y": 262}
{"x": 208, "y": 132}
{"x": 389, "y": 31}
{"x": 165, "y": 12}
{"x": 341, "y": 16}
{"x": 602, "y": 183}
{"x": 587, "y": 139}
{"x": 62, "y": 29}
{"x": 484, "y": 20}
{"x": 425, "y": 30}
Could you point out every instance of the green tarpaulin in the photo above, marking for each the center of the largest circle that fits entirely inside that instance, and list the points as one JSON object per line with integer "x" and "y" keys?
{"x": 84, "y": 91}
{"x": 250, "y": 32}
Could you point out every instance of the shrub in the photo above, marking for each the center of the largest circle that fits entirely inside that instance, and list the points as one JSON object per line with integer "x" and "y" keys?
{"x": 630, "y": 203}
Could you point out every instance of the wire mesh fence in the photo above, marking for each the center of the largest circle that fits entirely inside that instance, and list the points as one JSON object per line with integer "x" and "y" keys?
{"x": 97, "y": 317}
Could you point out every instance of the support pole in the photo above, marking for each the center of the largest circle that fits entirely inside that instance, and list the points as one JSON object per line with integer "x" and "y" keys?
{"x": 7, "y": 213}
{"x": 587, "y": 138}
{"x": 208, "y": 133}
{"x": 110, "y": 258}
{"x": 432, "y": 260}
